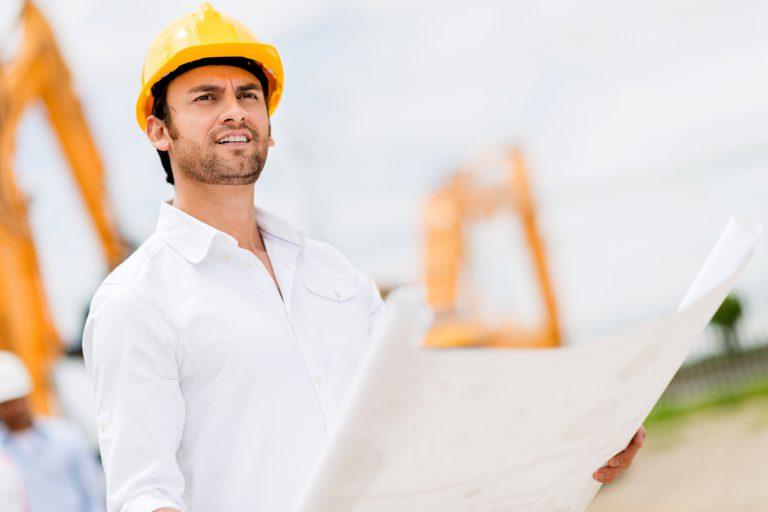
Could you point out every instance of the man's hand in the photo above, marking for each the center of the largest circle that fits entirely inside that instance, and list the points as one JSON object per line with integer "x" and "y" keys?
{"x": 618, "y": 464}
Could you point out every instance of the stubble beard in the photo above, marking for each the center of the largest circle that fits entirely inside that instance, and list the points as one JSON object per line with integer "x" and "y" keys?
{"x": 201, "y": 163}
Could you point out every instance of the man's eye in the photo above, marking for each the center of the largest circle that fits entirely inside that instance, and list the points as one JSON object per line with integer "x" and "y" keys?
{"x": 204, "y": 97}
{"x": 250, "y": 95}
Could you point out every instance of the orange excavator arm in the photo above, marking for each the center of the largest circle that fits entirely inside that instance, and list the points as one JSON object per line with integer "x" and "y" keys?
{"x": 38, "y": 73}
{"x": 449, "y": 210}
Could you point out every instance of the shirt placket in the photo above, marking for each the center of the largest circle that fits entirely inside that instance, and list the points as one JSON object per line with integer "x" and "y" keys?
{"x": 284, "y": 258}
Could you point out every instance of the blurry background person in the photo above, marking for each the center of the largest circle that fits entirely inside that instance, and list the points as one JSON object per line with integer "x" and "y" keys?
{"x": 57, "y": 468}
{"x": 12, "y": 497}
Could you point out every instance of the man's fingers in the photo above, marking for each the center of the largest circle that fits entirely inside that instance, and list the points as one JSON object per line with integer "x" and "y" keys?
{"x": 626, "y": 457}
{"x": 607, "y": 475}
{"x": 639, "y": 438}
{"x": 620, "y": 462}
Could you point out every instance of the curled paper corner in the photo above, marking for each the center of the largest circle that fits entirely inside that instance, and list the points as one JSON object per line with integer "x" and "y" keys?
{"x": 735, "y": 244}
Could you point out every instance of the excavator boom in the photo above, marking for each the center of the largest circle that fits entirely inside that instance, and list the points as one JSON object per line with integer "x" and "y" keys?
{"x": 38, "y": 72}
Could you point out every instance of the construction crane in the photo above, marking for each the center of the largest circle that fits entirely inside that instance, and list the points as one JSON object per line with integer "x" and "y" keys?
{"x": 38, "y": 73}
{"x": 467, "y": 198}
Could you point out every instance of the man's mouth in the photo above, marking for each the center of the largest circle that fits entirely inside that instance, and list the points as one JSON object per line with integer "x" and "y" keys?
{"x": 234, "y": 139}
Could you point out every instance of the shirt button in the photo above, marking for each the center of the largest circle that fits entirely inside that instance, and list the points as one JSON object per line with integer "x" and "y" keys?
{"x": 318, "y": 380}
{"x": 226, "y": 256}
{"x": 251, "y": 263}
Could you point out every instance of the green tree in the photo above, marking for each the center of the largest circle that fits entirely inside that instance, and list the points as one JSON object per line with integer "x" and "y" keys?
{"x": 726, "y": 319}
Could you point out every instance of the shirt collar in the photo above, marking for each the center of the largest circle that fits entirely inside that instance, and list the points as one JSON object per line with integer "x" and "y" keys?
{"x": 193, "y": 238}
{"x": 273, "y": 225}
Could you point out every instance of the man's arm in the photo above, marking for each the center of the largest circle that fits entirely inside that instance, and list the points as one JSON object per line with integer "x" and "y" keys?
{"x": 130, "y": 352}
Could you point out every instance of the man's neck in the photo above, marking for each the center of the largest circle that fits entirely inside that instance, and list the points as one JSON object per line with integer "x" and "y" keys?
{"x": 228, "y": 208}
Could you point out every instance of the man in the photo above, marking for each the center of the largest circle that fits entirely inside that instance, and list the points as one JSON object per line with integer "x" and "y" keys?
{"x": 221, "y": 349}
{"x": 57, "y": 468}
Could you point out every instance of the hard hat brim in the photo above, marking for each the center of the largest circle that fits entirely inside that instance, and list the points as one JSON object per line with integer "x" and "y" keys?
{"x": 263, "y": 54}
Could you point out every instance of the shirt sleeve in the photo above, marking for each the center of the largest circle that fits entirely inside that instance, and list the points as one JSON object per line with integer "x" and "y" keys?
{"x": 130, "y": 352}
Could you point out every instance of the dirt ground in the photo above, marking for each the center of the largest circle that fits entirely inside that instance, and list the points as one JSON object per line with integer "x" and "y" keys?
{"x": 710, "y": 461}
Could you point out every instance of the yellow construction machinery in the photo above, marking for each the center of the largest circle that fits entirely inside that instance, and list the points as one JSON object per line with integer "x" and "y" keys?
{"x": 37, "y": 72}
{"x": 465, "y": 199}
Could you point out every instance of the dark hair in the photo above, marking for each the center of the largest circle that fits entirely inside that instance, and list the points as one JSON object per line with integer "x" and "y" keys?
{"x": 160, "y": 93}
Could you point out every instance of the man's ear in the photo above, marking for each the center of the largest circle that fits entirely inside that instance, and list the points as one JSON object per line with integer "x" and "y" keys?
{"x": 270, "y": 140}
{"x": 157, "y": 132}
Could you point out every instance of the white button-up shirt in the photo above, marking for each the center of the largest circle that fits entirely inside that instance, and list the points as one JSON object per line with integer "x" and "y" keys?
{"x": 213, "y": 392}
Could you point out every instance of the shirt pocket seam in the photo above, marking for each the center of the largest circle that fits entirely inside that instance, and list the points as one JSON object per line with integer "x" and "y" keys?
{"x": 337, "y": 292}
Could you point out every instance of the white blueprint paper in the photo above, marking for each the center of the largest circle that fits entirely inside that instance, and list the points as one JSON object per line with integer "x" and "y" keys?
{"x": 482, "y": 430}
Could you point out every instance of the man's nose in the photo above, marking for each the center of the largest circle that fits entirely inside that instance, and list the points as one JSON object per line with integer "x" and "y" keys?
{"x": 233, "y": 111}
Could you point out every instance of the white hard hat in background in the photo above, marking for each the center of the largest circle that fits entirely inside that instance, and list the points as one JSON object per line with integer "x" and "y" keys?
{"x": 15, "y": 381}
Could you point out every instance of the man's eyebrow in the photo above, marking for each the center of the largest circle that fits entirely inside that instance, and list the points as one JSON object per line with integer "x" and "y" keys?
{"x": 211, "y": 88}
{"x": 248, "y": 87}
{"x": 205, "y": 88}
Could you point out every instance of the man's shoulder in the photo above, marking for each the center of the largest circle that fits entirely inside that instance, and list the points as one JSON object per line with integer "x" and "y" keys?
{"x": 139, "y": 276}
{"x": 135, "y": 267}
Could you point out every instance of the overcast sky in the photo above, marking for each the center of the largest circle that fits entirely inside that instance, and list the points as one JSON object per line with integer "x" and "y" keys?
{"x": 644, "y": 124}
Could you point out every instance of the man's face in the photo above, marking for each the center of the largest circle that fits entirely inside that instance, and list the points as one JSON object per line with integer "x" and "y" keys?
{"x": 218, "y": 130}
{"x": 16, "y": 413}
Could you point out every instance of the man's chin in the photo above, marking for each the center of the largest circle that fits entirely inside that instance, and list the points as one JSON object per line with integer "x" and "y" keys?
{"x": 223, "y": 167}
{"x": 233, "y": 178}
{"x": 237, "y": 177}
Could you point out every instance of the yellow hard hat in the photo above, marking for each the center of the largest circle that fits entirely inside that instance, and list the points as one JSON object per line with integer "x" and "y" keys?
{"x": 204, "y": 34}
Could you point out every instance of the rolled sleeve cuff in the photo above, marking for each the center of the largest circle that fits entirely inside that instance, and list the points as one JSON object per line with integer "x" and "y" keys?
{"x": 150, "y": 504}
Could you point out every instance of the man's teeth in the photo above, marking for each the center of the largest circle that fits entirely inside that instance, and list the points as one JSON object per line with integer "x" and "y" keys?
{"x": 234, "y": 138}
